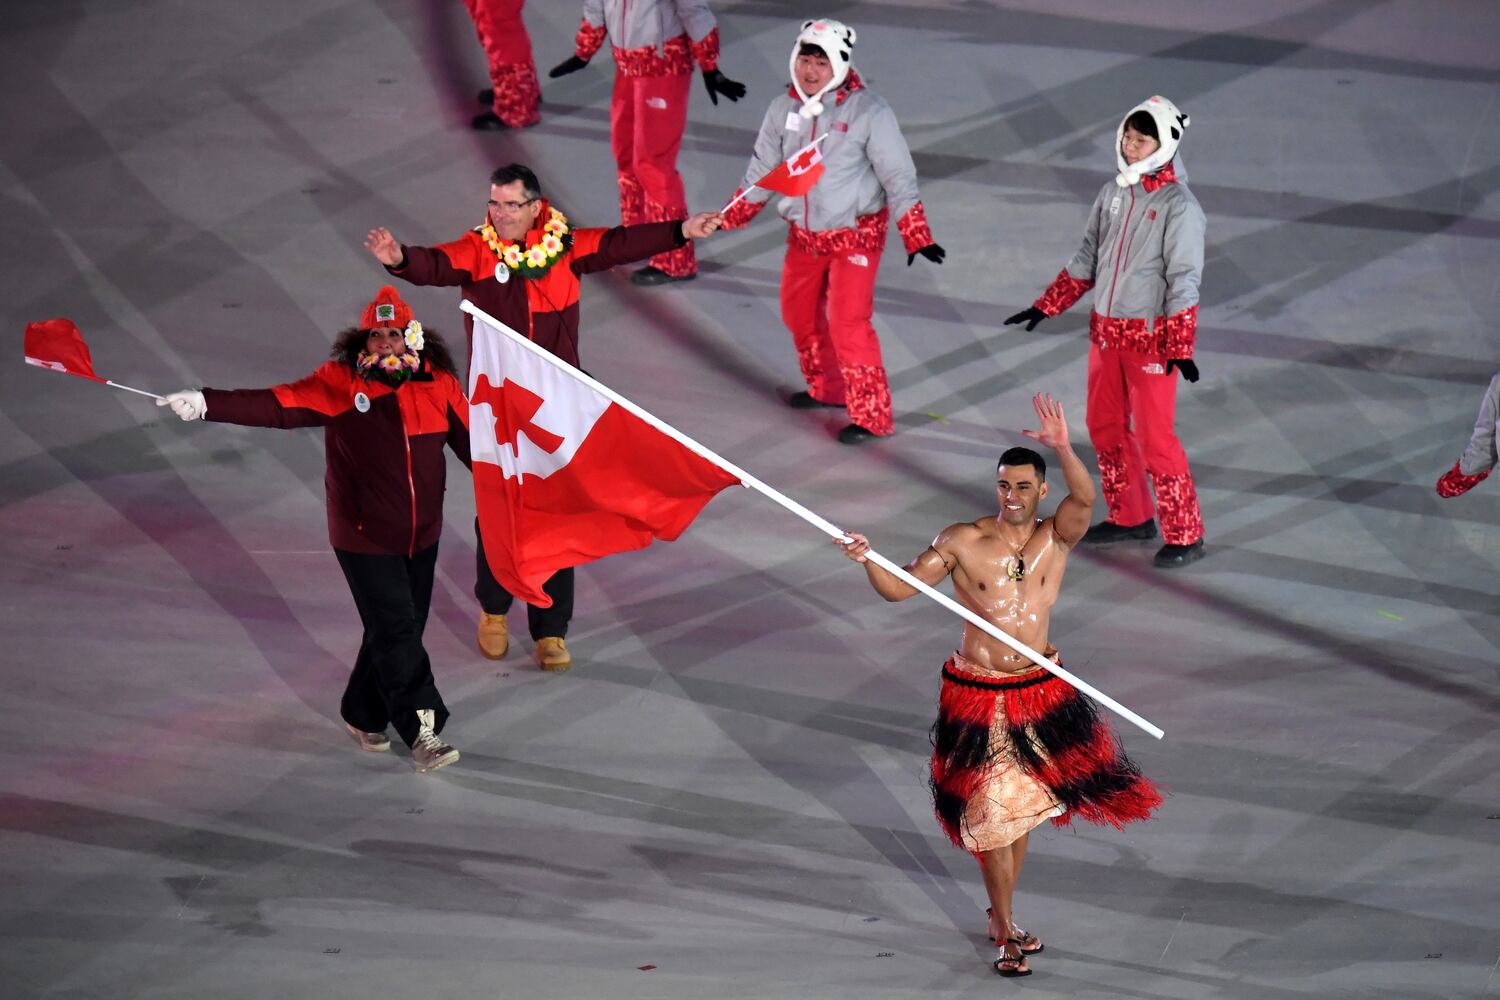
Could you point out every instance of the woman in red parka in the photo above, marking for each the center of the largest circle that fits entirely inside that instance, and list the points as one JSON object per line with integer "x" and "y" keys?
{"x": 388, "y": 402}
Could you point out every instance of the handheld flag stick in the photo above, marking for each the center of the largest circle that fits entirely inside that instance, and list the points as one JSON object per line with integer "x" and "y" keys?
{"x": 816, "y": 521}
{"x": 127, "y": 388}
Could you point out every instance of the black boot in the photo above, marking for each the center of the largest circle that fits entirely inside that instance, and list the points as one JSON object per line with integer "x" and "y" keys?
{"x": 855, "y": 434}
{"x": 649, "y": 276}
{"x": 1172, "y": 556}
{"x": 488, "y": 121}
{"x": 807, "y": 401}
{"x": 1107, "y": 531}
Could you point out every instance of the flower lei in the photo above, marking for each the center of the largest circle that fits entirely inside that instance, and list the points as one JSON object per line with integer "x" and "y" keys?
{"x": 538, "y": 258}
{"x": 394, "y": 368}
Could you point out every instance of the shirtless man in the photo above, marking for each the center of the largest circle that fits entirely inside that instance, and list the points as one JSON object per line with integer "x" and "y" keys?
{"x": 1014, "y": 745}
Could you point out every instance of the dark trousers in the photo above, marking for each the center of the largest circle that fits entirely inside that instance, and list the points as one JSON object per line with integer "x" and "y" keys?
{"x": 392, "y": 676}
{"x": 496, "y": 600}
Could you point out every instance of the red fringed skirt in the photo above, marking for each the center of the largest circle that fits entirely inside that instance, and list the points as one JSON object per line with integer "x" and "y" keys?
{"x": 1051, "y": 732}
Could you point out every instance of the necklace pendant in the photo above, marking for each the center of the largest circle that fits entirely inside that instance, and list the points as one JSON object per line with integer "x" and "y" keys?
{"x": 1017, "y": 571}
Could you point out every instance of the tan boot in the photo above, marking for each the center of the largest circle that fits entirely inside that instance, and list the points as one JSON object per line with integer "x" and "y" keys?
{"x": 552, "y": 654}
{"x": 494, "y": 635}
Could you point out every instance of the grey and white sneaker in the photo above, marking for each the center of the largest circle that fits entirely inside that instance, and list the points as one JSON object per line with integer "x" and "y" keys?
{"x": 429, "y": 752}
{"x": 372, "y": 742}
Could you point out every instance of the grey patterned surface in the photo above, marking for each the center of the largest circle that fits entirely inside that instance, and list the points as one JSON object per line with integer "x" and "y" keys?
{"x": 728, "y": 786}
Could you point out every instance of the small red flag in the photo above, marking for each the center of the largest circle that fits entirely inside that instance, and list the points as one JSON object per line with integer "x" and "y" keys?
{"x": 797, "y": 174}
{"x": 57, "y": 344}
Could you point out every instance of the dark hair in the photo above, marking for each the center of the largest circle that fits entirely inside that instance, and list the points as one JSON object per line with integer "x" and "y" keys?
{"x": 1143, "y": 123}
{"x": 809, "y": 49}
{"x": 517, "y": 172}
{"x": 350, "y": 342}
{"x": 1024, "y": 456}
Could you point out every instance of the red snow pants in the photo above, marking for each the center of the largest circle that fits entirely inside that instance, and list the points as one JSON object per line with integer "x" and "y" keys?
{"x": 508, "y": 49}
{"x": 827, "y": 301}
{"x": 1131, "y": 408}
{"x": 647, "y": 116}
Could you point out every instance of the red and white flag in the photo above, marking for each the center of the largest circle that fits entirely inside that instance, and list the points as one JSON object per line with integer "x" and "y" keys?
{"x": 58, "y": 344}
{"x": 563, "y": 472}
{"x": 796, "y": 175}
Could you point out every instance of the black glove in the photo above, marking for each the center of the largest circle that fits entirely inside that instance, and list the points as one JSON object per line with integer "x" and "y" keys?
{"x": 1031, "y": 316}
{"x": 717, "y": 83}
{"x": 1188, "y": 369}
{"x": 572, "y": 64}
{"x": 931, "y": 251}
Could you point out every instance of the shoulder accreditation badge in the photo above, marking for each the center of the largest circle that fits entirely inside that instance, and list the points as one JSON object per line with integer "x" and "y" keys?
{"x": 502, "y": 273}
{"x": 361, "y": 402}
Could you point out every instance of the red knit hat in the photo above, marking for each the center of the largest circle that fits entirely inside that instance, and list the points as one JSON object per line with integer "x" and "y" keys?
{"x": 386, "y": 309}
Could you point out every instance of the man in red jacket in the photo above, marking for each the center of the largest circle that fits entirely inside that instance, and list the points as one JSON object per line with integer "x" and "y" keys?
{"x": 388, "y": 402}
{"x": 522, "y": 265}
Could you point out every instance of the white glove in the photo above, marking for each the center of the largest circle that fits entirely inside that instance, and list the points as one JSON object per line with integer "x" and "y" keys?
{"x": 188, "y": 404}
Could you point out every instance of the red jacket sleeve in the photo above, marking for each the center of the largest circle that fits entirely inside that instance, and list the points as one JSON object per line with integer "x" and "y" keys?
{"x": 706, "y": 51}
{"x": 1062, "y": 293}
{"x": 589, "y": 40}
{"x": 445, "y": 264}
{"x": 742, "y": 211}
{"x": 309, "y": 402}
{"x": 1182, "y": 332}
{"x": 602, "y": 249}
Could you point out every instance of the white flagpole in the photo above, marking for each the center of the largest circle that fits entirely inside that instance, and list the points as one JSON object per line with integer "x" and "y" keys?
{"x": 42, "y": 364}
{"x": 127, "y": 388}
{"x": 827, "y": 527}
{"x": 741, "y": 196}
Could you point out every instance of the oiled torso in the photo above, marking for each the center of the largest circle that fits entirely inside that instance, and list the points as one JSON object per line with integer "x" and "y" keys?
{"x": 985, "y": 580}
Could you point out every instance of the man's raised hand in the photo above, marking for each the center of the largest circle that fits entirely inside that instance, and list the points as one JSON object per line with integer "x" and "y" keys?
{"x": 1054, "y": 432}
{"x": 384, "y": 247}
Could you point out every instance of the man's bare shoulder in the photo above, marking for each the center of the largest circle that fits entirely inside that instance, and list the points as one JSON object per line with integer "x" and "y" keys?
{"x": 965, "y": 533}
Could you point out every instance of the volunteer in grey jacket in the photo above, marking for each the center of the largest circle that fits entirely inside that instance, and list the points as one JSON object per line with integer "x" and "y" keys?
{"x": 1142, "y": 255}
{"x": 1479, "y": 457}
{"x": 837, "y": 230}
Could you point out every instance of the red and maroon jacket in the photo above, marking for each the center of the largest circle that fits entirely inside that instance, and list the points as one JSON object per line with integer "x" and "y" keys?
{"x": 384, "y": 447}
{"x": 546, "y": 309}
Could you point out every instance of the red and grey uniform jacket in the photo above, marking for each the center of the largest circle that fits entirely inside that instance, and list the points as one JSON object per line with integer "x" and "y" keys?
{"x": 384, "y": 448}
{"x": 1142, "y": 254}
{"x": 650, "y": 37}
{"x": 868, "y": 174}
{"x": 544, "y": 309}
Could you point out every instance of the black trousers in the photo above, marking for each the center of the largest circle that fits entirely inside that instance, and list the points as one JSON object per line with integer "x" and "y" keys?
{"x": 496, "y": 600}
{"x": 392, "y": 676}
